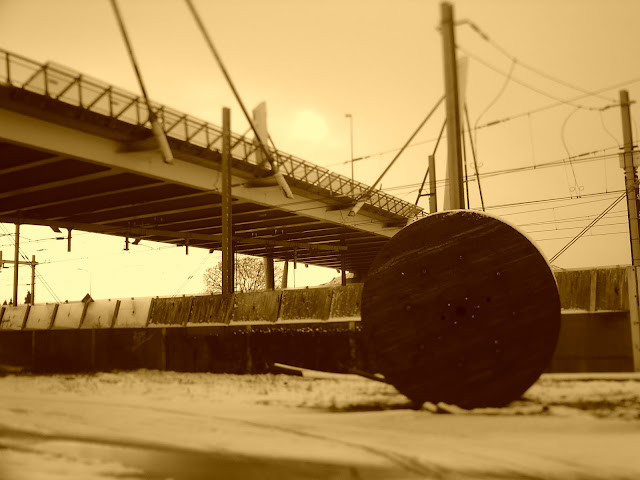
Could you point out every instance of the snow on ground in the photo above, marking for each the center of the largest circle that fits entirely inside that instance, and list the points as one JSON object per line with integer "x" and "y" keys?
{"x": 618, "y": 398}
{"x": 151, "y": 425}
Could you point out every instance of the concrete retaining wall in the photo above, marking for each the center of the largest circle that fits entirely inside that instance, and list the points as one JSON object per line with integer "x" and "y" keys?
{"x": 240, "y": 349}
{"x": 243, "y": 331}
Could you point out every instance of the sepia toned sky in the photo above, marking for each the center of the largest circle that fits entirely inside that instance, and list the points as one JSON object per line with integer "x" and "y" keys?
{"x": 544, "y": 74}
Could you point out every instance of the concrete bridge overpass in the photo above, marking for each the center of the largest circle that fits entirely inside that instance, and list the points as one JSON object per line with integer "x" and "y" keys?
{"x": 78, "y": 153}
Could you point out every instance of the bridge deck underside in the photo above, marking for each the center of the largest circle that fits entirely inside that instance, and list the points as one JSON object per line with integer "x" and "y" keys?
{"x": 65, "y": 191}
{"x": 66, "y": 161}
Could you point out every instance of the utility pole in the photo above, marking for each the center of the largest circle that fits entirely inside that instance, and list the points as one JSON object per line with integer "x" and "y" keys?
{"x": 455, "y": 198}
{"x": 631, "y": 178}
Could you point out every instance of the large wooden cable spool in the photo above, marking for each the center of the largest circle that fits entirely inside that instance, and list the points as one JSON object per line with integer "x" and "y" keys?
{"x": 460, "y": 307}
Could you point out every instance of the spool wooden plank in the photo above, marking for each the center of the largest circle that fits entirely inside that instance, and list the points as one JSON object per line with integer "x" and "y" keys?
{"x": 461, "y": 308}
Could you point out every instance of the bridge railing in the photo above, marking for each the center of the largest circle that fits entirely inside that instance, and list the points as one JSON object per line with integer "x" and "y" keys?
{"x": 65, "y": 85}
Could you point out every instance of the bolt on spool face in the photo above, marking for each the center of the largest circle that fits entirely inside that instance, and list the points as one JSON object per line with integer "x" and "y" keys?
{"x": 478, "y": 328}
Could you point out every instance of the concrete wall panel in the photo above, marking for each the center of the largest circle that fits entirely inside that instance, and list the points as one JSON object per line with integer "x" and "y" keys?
{"x": 593, "y": 289}
{"x": 574, "y": 287}
{"x": 15, "y": 348}
{"x": 211, "y": 309}
{"x": 100, "y": 314}
{"x": 306, "y": 304}
{"x": 256, "y": 306}
{"x": 170, "y": 311}
{"x": 133, "y": 312}
{"x": 594, "y": 342}
{"x": 611, "y": 289}
{"x": 69, "y": 315}
{"x": 14, "y": 317}
{"x": 41, "y": 316}
{"x": 67, "y": 350}
{"x": 129, "y": 349}
{"x": 346, "y": 301}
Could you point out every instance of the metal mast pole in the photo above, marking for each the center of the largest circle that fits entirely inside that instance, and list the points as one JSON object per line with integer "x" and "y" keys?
{"x": 16, "y": 264}
{"x": 454, "y": 148}
{"x": 433, "y": 199}
{"x": 227, "y": 225}
{"x": 631, "y": 178}
{"x": 350, "y": 117}
{"x": 33, "y": 279}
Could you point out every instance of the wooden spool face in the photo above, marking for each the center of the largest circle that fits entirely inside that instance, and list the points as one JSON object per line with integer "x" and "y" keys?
{"x": 460, "y": 307}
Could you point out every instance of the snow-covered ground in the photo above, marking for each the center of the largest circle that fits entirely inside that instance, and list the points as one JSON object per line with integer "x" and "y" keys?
{"x": 156, "y": 425}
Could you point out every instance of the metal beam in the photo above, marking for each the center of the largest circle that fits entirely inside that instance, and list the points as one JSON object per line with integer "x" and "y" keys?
{"x": 138, "y": 232}
{"x": 210, "y": 219}
{"x": 139, "y": 204}
{"x": 58, "y": 183}
{"x": 277, "y": 224}
{"x": 35, "y": 164}
{"x": 83, "y": 198}
{"x": 152, "y": 213}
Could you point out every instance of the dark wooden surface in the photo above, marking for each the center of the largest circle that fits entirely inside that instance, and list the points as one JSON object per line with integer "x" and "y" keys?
{"x": 462, "y": 308}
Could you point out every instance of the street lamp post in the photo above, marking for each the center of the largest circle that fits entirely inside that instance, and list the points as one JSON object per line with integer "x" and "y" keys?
{"x": 350, "y": 117}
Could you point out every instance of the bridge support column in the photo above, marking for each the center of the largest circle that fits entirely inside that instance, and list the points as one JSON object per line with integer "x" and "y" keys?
{"x": 285, "y": 274}
{"x": 269, "y": 272}
{"x": 227, "y": 226}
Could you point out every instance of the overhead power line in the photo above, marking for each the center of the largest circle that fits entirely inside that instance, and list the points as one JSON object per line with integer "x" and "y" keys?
{"x": 586, "y": 229}
{"x": 37, "y": 273}
{"x": 525, "y": 84}
{"x": 509, "y": 118}
{"x": 527, "y": 66}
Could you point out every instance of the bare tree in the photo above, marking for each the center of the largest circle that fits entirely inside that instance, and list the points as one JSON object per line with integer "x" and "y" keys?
{"x": 249, "y": 276}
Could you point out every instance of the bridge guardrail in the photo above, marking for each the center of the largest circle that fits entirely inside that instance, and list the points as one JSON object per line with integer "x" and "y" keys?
{"x": 66, "y": 85}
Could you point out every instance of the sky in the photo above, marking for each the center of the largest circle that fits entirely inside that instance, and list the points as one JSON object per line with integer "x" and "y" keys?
{"x": 545, "y": 75}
